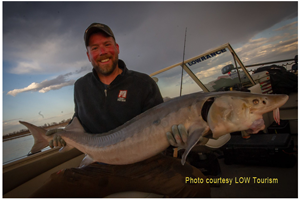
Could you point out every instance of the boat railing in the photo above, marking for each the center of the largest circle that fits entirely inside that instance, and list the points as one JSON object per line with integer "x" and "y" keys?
{"x": 285, "y": 63}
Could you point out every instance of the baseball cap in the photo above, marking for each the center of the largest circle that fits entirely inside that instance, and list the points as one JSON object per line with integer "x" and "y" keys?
{"x": 96, "y": 27}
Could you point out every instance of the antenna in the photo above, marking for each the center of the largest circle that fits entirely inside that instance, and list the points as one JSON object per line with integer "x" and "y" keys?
{"x": 182, "y": 62}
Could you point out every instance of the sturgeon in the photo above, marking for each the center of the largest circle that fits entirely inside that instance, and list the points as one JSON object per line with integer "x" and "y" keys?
{"x": 145, "y": 135}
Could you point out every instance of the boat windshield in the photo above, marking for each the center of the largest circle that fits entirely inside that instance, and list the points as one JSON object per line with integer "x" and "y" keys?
{"x": 215, "y": 70}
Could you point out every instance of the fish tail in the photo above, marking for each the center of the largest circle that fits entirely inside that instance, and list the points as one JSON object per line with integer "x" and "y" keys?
{"x": 39, "y": 135}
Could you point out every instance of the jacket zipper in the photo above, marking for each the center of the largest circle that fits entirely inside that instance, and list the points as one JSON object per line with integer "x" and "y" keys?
{"x": 106, "y": 89}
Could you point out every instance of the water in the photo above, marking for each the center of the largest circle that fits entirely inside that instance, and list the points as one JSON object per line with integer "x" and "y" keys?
{"x": 17, "y": 148}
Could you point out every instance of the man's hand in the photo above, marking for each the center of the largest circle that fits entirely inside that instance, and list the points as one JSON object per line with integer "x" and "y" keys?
{"x": 178, "y": 136}
{"x": 57, "y": 140}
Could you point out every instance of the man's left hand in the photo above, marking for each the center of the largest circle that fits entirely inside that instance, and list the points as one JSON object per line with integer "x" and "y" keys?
{"x": 57, "y": 141}
{"x": 178, "y": 136}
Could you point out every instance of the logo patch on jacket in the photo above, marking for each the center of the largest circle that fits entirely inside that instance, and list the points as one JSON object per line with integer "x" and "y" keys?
{"x": 122, "y": 96}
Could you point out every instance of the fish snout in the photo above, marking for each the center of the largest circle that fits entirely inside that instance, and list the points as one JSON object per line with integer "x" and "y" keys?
{"x": 277, "y": 100}
{"x": 269, "y": 102}
{"x": 283, "y": 100}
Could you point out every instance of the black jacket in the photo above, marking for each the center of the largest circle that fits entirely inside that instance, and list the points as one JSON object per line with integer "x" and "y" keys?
{"x": 101, "y": 109}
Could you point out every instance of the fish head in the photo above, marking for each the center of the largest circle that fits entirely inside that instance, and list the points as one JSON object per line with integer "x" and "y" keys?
{"x": 241, "y": 111}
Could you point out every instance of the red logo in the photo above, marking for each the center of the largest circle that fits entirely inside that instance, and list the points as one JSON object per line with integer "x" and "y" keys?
{"x": 122, "y": 95}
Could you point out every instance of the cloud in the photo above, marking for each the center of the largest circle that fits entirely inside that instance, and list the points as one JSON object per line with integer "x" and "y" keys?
{"x": 290, "y": 26}
{"x": 47, "y": 37}
{"x": 57, "y": 86}
{"x": 26, "y": 67}
{"x": 42, "y": 87}
{"x": 48, "y": 85}
{"x": 268, "y": 49}
{"x": 11, "y": 120}
{"x": 50, "y": 56}
{"x": 44, "y": 38}
{"x": 9, "y": 126}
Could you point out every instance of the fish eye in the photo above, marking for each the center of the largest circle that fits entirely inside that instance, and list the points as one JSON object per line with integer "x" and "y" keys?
{"x": 255, "y": 101}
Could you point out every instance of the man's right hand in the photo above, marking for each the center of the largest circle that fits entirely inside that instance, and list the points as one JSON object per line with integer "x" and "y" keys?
{"x": 178, "y": 136}
{"x": 57, "y": 141}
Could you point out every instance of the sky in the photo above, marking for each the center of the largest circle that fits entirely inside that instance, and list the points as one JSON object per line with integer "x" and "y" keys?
{"x": 44, "y": 51}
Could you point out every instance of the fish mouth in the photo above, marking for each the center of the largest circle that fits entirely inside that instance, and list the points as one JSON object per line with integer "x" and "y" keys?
{"x": 256, "y": 126}
{"x": 259, "y": 124}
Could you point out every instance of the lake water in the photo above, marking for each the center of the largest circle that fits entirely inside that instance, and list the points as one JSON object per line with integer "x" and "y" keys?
{"x": 17, "y": 148}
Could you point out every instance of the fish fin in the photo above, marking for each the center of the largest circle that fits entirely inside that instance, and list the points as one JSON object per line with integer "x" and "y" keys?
{"x": 217, "y": 143}
{"x": 194, "y": 137}
{"x": 75, "y": 126}
{"x": 39, "y": 135}
{"x": 209, "y": 135}
{"x": 86, "y": 161}
{"x": 65, "y": 148}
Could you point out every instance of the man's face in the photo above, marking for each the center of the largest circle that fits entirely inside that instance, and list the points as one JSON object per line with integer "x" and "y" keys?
{"x": 103, "y": 52}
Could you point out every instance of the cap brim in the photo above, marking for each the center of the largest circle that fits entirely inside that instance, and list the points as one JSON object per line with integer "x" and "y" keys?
{"x": 93, "y": 30}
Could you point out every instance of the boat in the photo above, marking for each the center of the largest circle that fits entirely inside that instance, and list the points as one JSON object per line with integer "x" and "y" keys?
{"x": 214, "y": 70}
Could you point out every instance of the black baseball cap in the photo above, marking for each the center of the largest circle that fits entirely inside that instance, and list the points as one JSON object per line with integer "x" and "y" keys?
{"x": 96, "y": 27}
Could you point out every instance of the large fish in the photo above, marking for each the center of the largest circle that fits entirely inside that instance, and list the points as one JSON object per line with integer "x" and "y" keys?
{"x": 145, "y": 135}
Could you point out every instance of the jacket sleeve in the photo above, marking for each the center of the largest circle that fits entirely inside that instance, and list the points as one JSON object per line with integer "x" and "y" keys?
{"x": 153, "y": 96}
{"x": 75, "y": 104}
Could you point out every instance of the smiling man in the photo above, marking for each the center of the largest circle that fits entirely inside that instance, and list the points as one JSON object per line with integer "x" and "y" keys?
{"x": 111, "y": 94}
{"x": 103, "y": 52}
{"x": 104, "y": 99}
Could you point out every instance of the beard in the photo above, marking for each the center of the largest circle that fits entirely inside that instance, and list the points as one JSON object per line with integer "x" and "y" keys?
{"x": 106, "y": 69}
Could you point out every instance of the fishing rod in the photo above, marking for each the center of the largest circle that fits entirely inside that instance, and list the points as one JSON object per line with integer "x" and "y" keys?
{"x": 182, "y": 62}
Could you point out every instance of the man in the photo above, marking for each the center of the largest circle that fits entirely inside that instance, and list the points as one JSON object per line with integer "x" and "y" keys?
{"x": 105, "y": 99}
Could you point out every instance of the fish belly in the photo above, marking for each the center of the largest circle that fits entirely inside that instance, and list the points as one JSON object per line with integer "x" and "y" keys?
{"x": 133, "y": 149}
